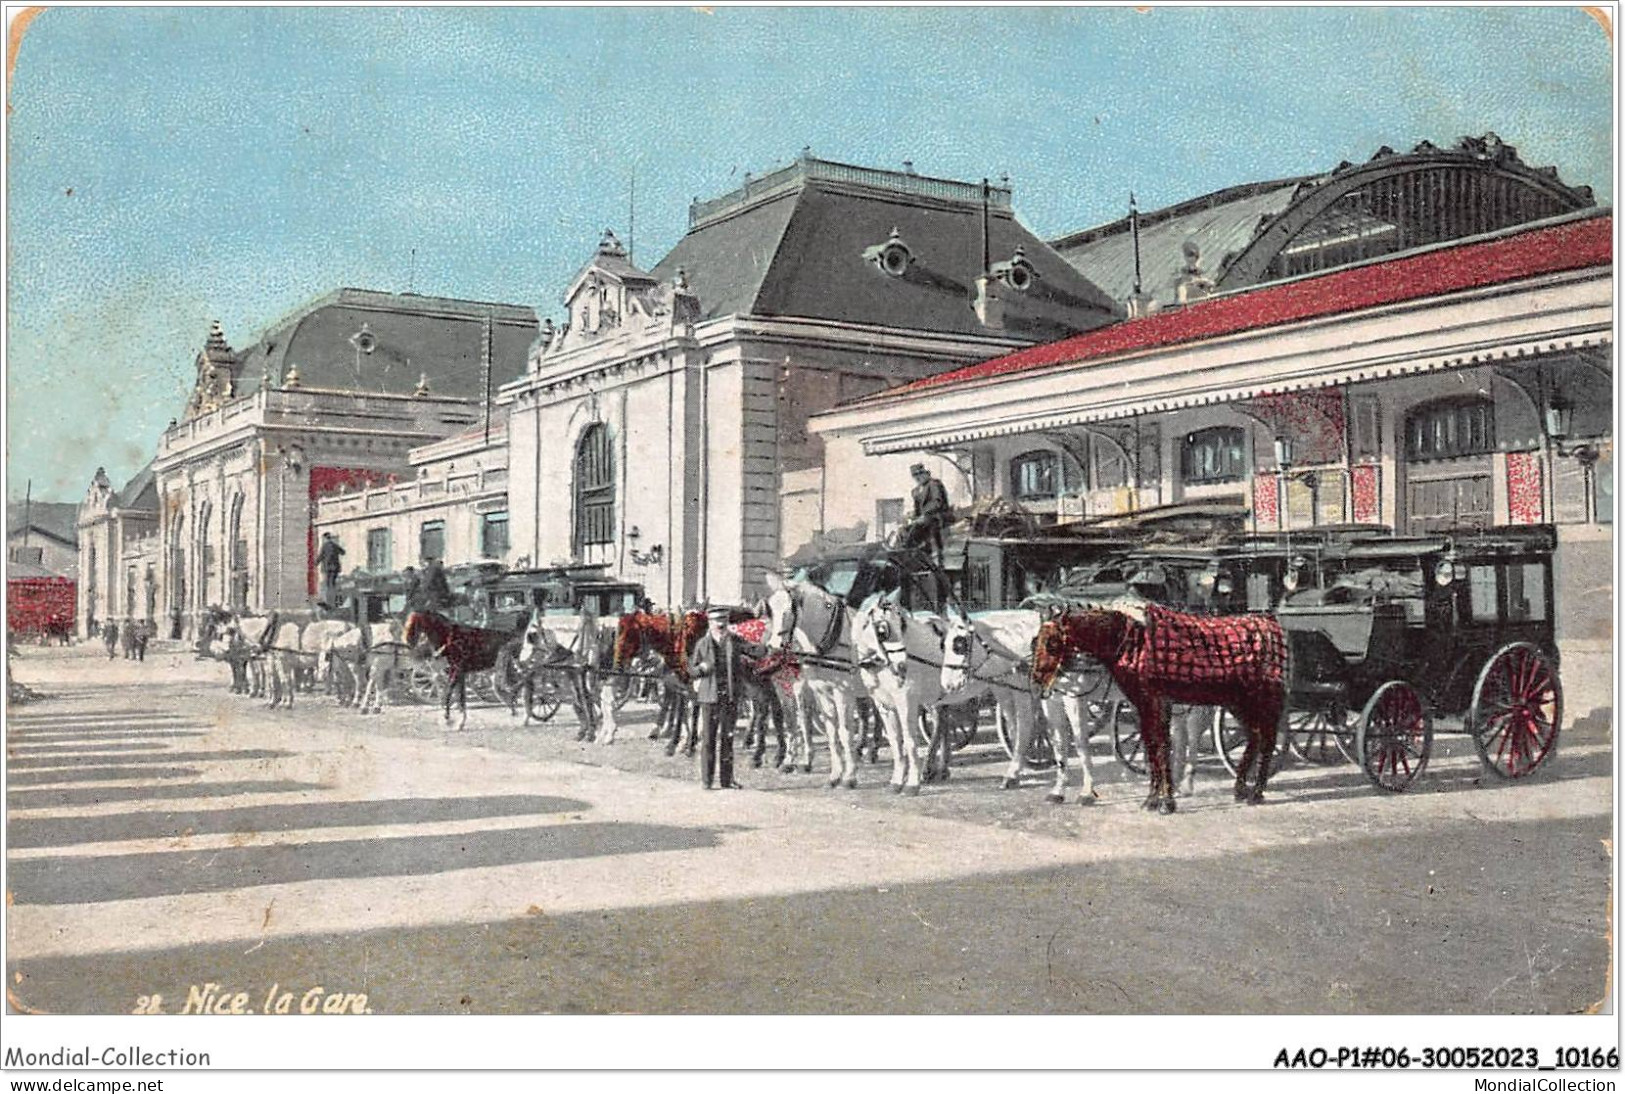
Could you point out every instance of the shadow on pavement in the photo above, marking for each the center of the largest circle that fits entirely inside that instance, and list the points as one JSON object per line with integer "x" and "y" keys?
{"x": 68, "y": 798}
{"x": 64, "y": 831}
{"x": 93, "y": 758}
{"x": 100, "y": 878}
{"x": 1347, "y": 927}
{"x": 98, "y": 774}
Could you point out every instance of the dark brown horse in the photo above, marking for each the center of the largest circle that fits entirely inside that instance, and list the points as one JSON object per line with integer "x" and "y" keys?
{"x": 465, "y": 649}
{"x": 1238, "y": 662}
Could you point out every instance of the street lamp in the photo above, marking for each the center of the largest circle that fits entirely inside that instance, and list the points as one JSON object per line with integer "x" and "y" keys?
{"x": 1283, "y": 467}
{"x": 1560, "y": 426}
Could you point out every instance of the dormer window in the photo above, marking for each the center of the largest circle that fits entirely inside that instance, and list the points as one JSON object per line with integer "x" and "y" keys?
{"x": 1017, "y": 273}
{"x": 892, "y": 257}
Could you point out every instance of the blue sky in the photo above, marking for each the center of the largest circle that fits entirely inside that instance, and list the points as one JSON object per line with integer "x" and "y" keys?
{"x": 167, "y": 167}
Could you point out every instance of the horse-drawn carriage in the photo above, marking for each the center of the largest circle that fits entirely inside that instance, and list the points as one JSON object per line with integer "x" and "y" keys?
{"x": 1385, "y": 634}
{"x": 1396, "y": 631}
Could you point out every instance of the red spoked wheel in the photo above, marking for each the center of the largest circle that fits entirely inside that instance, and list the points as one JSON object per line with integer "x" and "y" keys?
{"x": 1517, "y": 710}
{"x": 1395, "y": 736}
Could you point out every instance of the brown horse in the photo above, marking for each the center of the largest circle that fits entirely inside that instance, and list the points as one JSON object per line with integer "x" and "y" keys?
{"x": 1238, "y": 662}
{"x": 672, "y": 637}
{"x": 465, "y": 649}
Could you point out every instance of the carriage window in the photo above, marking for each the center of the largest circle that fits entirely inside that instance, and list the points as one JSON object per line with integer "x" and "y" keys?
{"x": 1032, "y": 476}
{"x": 1526, "y": 592}
{"x": 1213, "y": 455}
{"x": 1481, "y": 602}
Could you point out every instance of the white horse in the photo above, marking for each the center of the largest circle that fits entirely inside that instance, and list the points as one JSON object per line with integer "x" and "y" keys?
{"x": 386, "y": 654}
{"x": 989, "y": 655}
{"x": 898, "y": 656}
{"x": 814, "y": 628}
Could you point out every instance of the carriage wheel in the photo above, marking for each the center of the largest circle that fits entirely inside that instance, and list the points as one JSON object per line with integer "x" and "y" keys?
{"x": 1395, "y": 736}
{"x": 426, "y": 683}
{"x": 485, "y": 687}
{"x": 1322, "y": 736}
{"x": 544, "y": 696}
{"x": 1126, "y": 742}
{"x": 1517, "y": 710}
{"x": 1229, "y": 739}
{"x": 1040, "y": 756}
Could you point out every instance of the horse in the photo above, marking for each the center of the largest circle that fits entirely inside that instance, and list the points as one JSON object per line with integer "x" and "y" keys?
{"x": 667, "y": 637}
{"x": 986, "y": 658}
{"x": 243, "y": 642}
{"x": 465, "y": 650}
{"x": 540, "y": 648}
{"x": 1239, "y": 662}
{"x": 812, "y": 628}
{"x": 380, "y": 658}
{"x": 886, "y": 640}
{"x": 314, "y": 640}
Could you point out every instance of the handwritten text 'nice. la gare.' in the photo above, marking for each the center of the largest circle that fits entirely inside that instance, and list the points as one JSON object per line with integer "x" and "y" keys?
{"x": 212, "y": 998}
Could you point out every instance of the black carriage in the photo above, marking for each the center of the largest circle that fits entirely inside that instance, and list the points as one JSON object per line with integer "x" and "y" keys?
{"x": 1224, "y": 573}
{"x": 1396, "y": 631}
{"x": 571, "y": 600}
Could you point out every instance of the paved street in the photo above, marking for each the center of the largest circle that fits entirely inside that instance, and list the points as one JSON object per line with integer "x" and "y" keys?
{"x": 163, "y": 833}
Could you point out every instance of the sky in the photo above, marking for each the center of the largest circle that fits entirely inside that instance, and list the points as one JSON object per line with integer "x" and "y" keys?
{"x": 168, "y": 167}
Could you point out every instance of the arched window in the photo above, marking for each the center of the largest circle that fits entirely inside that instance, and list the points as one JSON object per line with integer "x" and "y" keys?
{"x": 1213, "y": 455}
{"x": 1034, "y": 476}
{"x": 1447, "y": 428}
{"x": 205, "y": 553}
{"x": 239, "y": 556}
{"x": 595, "y": 487}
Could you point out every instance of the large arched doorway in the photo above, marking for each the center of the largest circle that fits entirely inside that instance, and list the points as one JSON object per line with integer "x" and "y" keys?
{"x": 594, "y": 535}
{"x": 177, "y": 576}
{"x": 238, "y": 546}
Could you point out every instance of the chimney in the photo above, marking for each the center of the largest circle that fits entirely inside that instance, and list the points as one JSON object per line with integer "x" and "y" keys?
{"x": 989, "y": 302}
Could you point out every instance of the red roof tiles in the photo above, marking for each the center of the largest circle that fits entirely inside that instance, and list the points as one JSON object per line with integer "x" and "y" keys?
{"x": 1569, "y": 246}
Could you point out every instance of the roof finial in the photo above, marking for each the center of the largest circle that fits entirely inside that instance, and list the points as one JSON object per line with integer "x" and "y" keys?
{"x": 291, "y": 380}
{"x": 422, "y": 390}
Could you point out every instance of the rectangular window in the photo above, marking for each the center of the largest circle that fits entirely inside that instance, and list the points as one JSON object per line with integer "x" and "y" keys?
{"x": 1526, "y": 592}
{"x": 888, "y": 517}
{"x": 28, "y": 554}
{"x": 494, "y": 535}
{"x": 1445, "y": 430}
{"x": 1481, "y": 604}
{"x": 1213, "y": 456}
{"x": 1148, "y": 443}
{"x": 432, "y": 541}
{"x": 1365, "y": 427}
{"x": 1032, "y": 476}
{"x": 378, "y": 560}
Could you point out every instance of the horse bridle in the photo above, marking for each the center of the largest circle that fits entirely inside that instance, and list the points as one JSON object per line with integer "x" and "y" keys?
{"x": 786, "y": 635}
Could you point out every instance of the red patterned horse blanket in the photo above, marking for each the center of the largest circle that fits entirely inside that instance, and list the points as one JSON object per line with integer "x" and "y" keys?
{"x": 1173, "y": 648}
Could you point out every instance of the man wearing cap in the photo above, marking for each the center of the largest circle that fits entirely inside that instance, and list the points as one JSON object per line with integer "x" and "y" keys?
{"x": 931, "y": 511}
{"x": 715, "y": 668}
{"x": 329, "y": 560}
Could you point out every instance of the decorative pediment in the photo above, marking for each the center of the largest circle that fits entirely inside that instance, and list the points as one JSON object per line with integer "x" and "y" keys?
{"x": 216, "y": 374}
{"x": 611, "y": 296}
{"x": 100, "y": 494}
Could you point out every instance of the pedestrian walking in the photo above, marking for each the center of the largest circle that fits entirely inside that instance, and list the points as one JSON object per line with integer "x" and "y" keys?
{"x": 110, "y": 637}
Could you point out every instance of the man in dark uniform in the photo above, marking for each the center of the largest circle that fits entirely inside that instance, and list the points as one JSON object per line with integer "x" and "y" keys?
{"x": 414, "y": 590}
{"x": 436, "y": 589}
{"x": 716, "y": 671}
{"x": 329, "y": 560}
{"x": 931, "y": 512}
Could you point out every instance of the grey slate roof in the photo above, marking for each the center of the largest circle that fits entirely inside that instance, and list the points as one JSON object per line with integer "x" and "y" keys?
{"x": 413, "y": 335}
{"x": 59, "y": 519}
{"x": 799, "y": 252}
{"x": 1221, "y": 224}
{"x": 141, "y": 492}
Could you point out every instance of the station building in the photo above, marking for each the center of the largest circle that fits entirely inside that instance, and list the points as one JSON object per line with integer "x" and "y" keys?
{"x": 337, "y": 394}
{"x": 1423, "y": 342}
